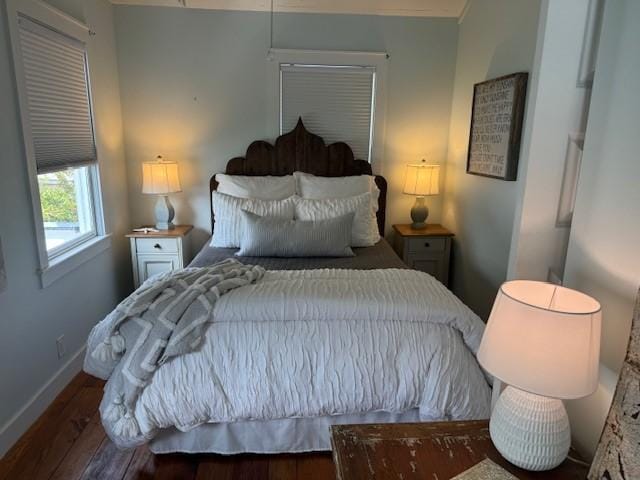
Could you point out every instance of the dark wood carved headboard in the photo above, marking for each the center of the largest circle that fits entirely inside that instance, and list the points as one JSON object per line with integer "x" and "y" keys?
{"x": 302, "y": 151}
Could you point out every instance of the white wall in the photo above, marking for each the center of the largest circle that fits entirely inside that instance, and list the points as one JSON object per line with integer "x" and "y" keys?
{"x": 31, "y": 318}
{"x": 603, "y": 258}
{"x": 194, "y": 88}
{"x": 558, "y": 109}
{"x": 497, "y": 37}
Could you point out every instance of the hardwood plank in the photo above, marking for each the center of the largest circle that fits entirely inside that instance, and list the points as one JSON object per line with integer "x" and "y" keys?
{"x": 68, "y": 442}
{"x": 109, "y": 462}
{"x": 91, "y": 381}
{"x": 43, "y": 426}
{"x": 46, "y": 451}
{"x": 251, "y": 467}
{"x": 216, "y": 467}
{"x": 283, "y": 467}
{"x": 176, "y": 467}
{"x": 142, "y": 465}
{"x": 315, "y": 466}
{"x": 82, "y": 451}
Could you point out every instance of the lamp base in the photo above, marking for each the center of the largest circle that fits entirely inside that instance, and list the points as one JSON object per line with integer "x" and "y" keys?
{"x": 530, "y": 431}
{"x": 164, "y": 213}
{"x": 419, "y": 214}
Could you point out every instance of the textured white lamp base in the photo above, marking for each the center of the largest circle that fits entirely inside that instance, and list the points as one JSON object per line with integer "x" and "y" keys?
{"x": 164, "y": 213}
{"x": 529, "y": 430}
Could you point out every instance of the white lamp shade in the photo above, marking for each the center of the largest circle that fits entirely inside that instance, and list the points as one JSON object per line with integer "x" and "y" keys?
{"x": 544, "y": 339}
{"x": 422, "y": 179}
{"x": 160, "y": 178}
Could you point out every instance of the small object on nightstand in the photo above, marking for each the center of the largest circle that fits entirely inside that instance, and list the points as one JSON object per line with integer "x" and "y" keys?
{"x": 427, "y": 249}
{"x": 422, "y": 180}
{"x": 158, "y": 251}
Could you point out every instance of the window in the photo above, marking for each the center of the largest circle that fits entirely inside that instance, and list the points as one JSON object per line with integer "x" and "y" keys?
{"x": 335, "y": 102}
{"x": 55, "y": 102}
{"x": 67, "y": 208}
{"x": 340, "y": 96}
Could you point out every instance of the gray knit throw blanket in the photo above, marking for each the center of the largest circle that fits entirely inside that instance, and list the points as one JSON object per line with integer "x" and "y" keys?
{"x": 164, "y": 318}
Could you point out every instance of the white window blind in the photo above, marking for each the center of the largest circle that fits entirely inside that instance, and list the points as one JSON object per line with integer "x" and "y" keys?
{"x": 57, "y": 96}
{"x": 333, "y": 102}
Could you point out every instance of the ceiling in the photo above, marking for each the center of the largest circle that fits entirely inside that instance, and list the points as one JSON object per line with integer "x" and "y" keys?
{"x": 417, "y": 8}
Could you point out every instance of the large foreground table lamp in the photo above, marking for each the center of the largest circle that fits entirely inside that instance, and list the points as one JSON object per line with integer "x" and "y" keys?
{"x": 543, "y": 341}
{"x": 422, "y": 180}
{"x": 161, "y": 178}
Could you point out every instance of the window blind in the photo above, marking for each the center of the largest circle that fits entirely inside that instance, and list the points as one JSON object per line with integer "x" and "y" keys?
{"x": 57, "y": 97}
{"x": 333, "y": 102}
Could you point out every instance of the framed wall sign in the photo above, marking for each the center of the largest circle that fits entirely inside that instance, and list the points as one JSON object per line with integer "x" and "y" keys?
{"x": 496, "y": 126}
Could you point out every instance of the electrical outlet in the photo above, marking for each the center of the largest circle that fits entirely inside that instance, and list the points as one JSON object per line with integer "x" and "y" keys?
{"x": 62, "y": 351}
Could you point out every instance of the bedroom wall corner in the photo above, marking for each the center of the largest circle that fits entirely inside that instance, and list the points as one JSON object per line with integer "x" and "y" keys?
{"x": 31, "y": 374}
{"x": 110, "y": 136}
{"x": 495, "y": 38}
{"x": 551, "y": 147}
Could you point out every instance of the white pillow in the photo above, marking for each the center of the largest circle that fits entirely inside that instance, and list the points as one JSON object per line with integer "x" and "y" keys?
{"x": 227, "y": 230}
{"x": 364, "y": 232}
{"x": 311, "y": 186}
{"x": 264, "y": 188}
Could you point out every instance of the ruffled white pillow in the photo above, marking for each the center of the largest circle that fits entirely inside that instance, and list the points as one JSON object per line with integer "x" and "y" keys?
{"x": 262, "y": 187}
{"x": 318, "y": 188}
{"x": 365, "y": 227}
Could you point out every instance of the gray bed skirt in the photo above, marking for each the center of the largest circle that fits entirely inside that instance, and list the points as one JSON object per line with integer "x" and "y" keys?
{"x": 287, "y": 435}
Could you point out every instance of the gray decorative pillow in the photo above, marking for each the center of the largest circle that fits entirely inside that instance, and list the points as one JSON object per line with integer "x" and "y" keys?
{"x": 277, "y": 237}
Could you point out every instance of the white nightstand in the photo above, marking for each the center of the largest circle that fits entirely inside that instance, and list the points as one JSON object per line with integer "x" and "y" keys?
{"x": 158, "y": 252}
{"x": 427, "y": 249}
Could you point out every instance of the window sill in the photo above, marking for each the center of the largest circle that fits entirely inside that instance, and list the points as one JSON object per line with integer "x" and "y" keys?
{"x": 69, "y": 261}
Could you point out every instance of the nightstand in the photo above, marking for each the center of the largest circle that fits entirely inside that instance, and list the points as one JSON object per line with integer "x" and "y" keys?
{"x": 158, "y": 252}
{"x": 439, "y": 450}
{"x": 427, "y": 249}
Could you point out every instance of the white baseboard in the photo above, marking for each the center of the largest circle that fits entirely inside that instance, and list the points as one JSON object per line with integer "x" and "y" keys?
{"x": 27, "y": 415}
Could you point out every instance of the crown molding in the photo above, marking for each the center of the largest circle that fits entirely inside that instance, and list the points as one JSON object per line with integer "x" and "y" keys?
{"x": 465, "y": 10}
{"x": 406, "y": 8}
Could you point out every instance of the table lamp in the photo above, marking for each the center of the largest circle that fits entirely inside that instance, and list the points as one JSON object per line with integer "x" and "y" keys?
{"x": 422, "y": 180}
{"x": 543, "y": 340}
{"x": 161, "y": 178}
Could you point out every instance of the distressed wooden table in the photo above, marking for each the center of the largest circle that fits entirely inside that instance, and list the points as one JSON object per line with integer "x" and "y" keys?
{"x": 434, "y": 451}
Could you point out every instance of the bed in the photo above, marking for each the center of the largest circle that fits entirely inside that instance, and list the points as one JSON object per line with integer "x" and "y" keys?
{"x": 313, "y": 342}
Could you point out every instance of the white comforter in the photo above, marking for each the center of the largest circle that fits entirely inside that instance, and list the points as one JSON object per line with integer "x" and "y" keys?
{"x": 325, "y": 342}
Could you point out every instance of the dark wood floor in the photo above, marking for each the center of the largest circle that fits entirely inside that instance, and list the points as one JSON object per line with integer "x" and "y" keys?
{"x": 68, "y": 442}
